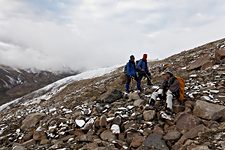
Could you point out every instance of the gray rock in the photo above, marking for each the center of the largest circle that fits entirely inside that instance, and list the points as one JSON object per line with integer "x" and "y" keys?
{"x": 200, "y": 147}
{"x": 154, "y": 141}
{"x": 138, "y": 102}
{"x": 117, "y": 120}
{"x": 17, "y": 146}
{"x": 208, "y": 110}
{"x": 31, "y": 120}
{"x": 172, "y": 136}
{"x": 149, "y": 115}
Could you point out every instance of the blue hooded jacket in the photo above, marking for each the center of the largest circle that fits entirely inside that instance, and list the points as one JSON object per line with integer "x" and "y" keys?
{"x": 131, "y": 69}
{"x": 143, "y": 65}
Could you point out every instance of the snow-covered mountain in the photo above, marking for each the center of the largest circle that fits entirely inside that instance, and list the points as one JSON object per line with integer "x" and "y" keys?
{"x": 16, "y": 82}
{"x": 51, "y": 90}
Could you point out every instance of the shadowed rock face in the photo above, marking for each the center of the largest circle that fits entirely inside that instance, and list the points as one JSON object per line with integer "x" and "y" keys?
{"x": 95, "y": 113}
{"x": 15, "y": 82}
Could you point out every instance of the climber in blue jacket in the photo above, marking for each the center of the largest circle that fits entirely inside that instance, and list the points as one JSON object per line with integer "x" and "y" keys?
{"x": 143, "y": 71}
{"x": 131, "y": 73}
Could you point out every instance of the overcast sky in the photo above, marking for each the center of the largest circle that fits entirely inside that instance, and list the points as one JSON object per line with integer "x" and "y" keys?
{"x": 86, "y": 34}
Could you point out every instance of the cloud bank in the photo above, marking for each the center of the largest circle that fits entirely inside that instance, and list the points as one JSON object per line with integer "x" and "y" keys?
{"x": 87, "y": 34}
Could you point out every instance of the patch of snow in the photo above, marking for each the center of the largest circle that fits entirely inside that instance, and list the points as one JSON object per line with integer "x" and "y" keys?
{"x": 214, "y": 91}
{"x": 52, "y": 89}
{"x": 110, "y": 119}
{"x": 80, "y": 123}
{"x": 115, "y": 129}
{"x": 130, "y": 107}
{"x": 193, "y": 76}
{"x": 215, "y": 67}
{"x": 122, "y": 109}
{"x": 184, "y": 68}
{"x": 165, "y": 116}
{"x": 52, "y": 110}
{"x": 206, "y": 98}
{"x": 17, "y": 131}
{"x": 155, "y": 87}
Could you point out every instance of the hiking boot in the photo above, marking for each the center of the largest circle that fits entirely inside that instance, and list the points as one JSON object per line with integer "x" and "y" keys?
{"x": 169, "y": 111}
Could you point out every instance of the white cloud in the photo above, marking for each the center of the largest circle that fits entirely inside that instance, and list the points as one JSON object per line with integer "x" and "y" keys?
{"x": 86, "y": 34}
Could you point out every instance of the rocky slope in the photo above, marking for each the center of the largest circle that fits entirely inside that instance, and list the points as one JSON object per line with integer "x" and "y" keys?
{"x": 92, "y": 112}
{"x": 16, "y": 82}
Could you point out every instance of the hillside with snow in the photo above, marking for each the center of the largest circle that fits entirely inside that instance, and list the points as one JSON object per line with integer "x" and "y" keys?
{"x": 91, "y": 111}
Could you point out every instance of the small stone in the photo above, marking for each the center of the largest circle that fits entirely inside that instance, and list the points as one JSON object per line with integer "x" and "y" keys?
{"x": 103, "y": 121}
{"x": 133, "y": 96}
{"x": 107, "y": 136}
{"x": 117, "y": 120}
{"x": 44, "y": 141}
{"x": 137, "y": 141}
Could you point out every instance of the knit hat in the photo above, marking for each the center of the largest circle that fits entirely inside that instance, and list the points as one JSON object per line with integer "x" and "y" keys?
{"x": 145, "y": 56}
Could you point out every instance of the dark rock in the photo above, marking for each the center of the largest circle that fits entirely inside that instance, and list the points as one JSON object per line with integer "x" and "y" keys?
{"x": 154, "y": 141}
{"x": 111, "y": 96}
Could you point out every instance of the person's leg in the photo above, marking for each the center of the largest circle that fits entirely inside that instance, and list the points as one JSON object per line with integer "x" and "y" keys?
{"x": 154, "y": 96}
{"x": 128, "y": 84}
{"x": 169, "y": 100}
{"x": 148, "y": 76}
{"x": 138, "y": 83}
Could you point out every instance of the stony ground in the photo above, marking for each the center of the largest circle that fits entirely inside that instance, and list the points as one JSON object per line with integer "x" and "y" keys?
{"x": 95, "y": 113}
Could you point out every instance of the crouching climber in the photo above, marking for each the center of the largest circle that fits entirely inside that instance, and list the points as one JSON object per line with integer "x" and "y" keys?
{"x": 168, "y": 90}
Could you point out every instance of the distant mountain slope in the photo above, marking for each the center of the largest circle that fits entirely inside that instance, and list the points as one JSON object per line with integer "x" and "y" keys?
{"x": 16, "y": 82}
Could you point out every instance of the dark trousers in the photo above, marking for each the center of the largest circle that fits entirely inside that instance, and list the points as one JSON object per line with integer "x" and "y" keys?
{"x": 147, "y": 75}
{"x": 129, "y": 81}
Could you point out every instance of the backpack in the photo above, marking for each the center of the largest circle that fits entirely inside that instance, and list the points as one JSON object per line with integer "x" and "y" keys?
{"x": 138, "y": 70}
{"x": 181, "y": 90}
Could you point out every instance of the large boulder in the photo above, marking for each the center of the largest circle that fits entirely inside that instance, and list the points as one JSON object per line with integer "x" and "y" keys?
{"x": 149, "y": 115}
{"x": 208, "y": 110}
{"x": 155, "y": 141}
{"x": 31, "y": 120}
{"x": 198, "y": 63}
{"x": 111, "y": 96}
{"x": 185, "y": 122}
